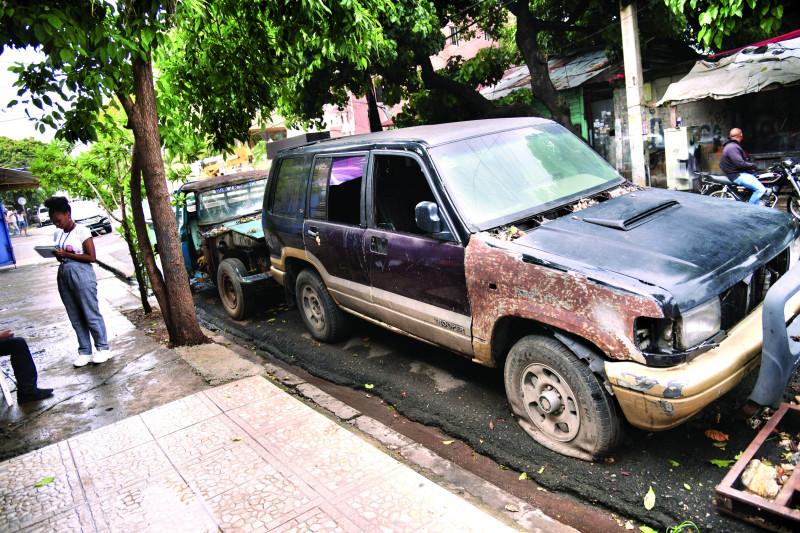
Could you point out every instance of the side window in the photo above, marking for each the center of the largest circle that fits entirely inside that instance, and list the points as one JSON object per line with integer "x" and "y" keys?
{"x": 317, "y": 207}
{"x": 336, "y": 189}
{"x": 288, "y": 197}
{"x": 399, "y": 185}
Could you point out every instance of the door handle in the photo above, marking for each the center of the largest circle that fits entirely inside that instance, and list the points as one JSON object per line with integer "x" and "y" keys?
{"x": 313, "y": 231}
{"x": 379, "y": 245}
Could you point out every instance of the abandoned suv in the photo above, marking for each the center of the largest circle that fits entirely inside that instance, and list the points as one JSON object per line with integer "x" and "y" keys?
{"x": 514, "y": 244}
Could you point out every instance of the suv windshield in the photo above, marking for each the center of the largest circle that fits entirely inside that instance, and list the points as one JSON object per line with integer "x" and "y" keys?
{"x": 230, "y": 202}
{"x": 498, "y": 178}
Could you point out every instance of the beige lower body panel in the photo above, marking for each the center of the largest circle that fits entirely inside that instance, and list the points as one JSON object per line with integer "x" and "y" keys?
{"x": 661, "y": 398}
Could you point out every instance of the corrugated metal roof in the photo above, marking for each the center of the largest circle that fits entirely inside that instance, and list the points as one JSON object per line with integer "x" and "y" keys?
{"x": 14, "y": 180}
{"x": 565, "y": 73}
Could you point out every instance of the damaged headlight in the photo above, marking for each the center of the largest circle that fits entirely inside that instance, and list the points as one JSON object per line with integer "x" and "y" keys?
{"x": 698, "y": 324}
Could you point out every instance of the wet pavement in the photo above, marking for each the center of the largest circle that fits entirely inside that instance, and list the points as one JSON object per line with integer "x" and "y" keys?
{"x": 144, "y": 442}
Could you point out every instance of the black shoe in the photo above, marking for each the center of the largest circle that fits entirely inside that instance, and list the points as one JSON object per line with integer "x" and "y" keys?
{"x": 33, "y": 395}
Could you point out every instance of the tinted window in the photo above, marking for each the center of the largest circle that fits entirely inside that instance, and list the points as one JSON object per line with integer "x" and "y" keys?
{"x": 399, "y": 186}
{"x": 319, "y": 189}
{"x": 344, "y": 189}
{"x": 289, "y": 195}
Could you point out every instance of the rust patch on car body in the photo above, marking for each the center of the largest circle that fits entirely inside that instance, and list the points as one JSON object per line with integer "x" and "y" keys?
{"x": 501, "y": 284}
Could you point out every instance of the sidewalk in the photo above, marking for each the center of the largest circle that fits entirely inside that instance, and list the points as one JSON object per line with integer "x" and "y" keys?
{"x": 142, "y": 442}
{"x": 245, "y": 456}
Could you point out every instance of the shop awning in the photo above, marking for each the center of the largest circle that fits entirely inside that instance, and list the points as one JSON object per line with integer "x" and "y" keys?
{"x": 750, "y": 70}
{"x": 15, "y": 180}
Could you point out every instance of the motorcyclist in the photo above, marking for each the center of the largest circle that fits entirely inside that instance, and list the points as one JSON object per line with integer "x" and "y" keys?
{"x": 736, "y": 164}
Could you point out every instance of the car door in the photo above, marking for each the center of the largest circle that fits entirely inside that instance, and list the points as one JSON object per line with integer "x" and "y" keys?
{"x": 418, "y": 282}
{"x": 333, "y": 232}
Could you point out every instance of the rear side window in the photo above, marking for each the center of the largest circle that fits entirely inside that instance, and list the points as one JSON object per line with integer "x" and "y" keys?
{"x": 336, "y": 189}
{"x": 289, "y": 196}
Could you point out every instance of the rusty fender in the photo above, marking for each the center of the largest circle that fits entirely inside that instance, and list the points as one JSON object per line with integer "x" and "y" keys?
{"x": 501, "y": 285}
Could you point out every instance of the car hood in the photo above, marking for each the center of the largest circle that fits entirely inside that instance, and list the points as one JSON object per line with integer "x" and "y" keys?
{"x": 690, "y": 245}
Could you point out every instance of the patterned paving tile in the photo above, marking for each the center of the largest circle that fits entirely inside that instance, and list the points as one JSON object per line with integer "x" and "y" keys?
{"x": 124, "y": 469}
{"x": 328, "y": 454}
{"x": 403, "y": 502}
{"x": 201, "y": 439}
{"x": 264, "y": 415}
{"x": 162, "y": 503}
{"x": 318, "y": 520}
{"x": 109, "y": 440}
{"x": 242, "y": 392}
{"x": 22, "y": 504}
{"x": 260, "y": 504}
{"x": 467, "y": 519}
{"x": 226, "y": 468}
{"x": 78, "y": 519}
{"x": 179, "y": 414}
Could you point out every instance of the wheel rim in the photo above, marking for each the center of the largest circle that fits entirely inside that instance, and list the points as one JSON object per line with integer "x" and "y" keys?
{"x": 722, "y": 194}
{"x": 229, "y": 292}
{"x": 312, "y": 308}
{"x": 550, "y": 402}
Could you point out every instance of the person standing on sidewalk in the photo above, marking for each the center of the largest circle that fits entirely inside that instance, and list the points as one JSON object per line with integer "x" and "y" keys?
{"x": 77, "y": 283}
{"x": 24, "y": 368}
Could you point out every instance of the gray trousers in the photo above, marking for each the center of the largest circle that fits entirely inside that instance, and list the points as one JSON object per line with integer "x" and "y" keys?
{"x": 77, "y": 286}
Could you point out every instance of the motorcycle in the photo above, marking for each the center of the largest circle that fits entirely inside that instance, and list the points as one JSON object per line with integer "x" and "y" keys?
{"x": 782, "y": 178}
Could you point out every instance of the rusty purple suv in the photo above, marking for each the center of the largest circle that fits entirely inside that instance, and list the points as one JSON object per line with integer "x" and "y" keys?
{"x": 512, "y": 243}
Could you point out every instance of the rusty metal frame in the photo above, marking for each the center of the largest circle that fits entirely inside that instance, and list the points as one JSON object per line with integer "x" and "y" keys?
{"x": 774, "y": 515}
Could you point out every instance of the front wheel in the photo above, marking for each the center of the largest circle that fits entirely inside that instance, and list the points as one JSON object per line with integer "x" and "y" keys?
{"x": 323, "y": 318}
{"x": 558, "y": 401}
{"x": 793, "y": 204}
{"x": 238, "y": 302}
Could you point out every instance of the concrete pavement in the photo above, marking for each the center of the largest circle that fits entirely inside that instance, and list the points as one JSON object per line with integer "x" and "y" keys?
{"x": 144, "y": 442}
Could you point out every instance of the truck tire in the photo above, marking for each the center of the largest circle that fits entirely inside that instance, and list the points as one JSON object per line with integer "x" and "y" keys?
{"x": 238, "y": 303}
{"x": 320, "y": 313}
{"x": 558, "y": 401}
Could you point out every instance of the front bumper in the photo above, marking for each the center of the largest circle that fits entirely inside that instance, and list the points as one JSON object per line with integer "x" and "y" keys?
{"x": 655, "y": 399}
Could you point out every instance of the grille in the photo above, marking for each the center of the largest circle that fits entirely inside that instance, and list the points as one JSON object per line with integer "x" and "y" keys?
{"x": 742, "y": 298}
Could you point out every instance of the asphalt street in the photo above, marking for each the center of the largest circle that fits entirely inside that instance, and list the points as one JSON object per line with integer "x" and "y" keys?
{"x": 467, "y": 402}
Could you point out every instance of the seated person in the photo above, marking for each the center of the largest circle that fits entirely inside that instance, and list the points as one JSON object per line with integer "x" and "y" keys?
{"x": 24, "y": 368}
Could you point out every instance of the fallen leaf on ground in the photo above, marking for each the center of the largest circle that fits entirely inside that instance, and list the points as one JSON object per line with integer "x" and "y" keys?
{"x": 511, "y": 508}
{"x": 687, "y": 486}
{"x": 650, "y": 499}
{"x": 491, "y": 424}
{"x": 722, "y": 463}
{"x": 369, "y": 386}
{"x": 717, "y": 435}
{"x": 541, "y": 469}
{"x": 523, "y": 476}
{"x": 674, "y": 463}
{"x": 448, "y": 442}
{"x": 43, "y": 482}
{"x": 236, "y": 439}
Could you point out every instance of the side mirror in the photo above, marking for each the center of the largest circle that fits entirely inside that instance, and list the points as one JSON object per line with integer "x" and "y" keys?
{"x": 427, "y": 217}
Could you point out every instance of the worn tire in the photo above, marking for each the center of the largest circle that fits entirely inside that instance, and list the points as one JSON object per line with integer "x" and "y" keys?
{"x": 541, "y": 375}
{"x": 320, "y": 313}
{"x": 238, "y": 303}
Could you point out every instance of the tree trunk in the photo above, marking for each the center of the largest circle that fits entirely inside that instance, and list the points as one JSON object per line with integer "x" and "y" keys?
{"x": 126, "y": 231}
{"x": 372, "y": 110}
{"x": 541, "y": 85}
{"x": 184, "y": 330}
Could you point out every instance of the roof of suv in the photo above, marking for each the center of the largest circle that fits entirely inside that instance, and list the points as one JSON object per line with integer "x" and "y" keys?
{"x": 432, "y": 135}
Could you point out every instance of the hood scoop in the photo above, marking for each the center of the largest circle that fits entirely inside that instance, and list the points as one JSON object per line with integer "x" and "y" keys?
{"x": 638, "y": 214}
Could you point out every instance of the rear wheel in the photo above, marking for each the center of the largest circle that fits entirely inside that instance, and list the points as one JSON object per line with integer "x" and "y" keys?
{"x": 238, "y": 303}
{"x": 558, "y": 401}
{"x": 322, "y": 316}
{"x": 722, "y": 193}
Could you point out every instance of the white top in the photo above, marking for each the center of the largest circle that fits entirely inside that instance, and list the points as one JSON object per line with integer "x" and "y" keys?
{"x": 72, "y": 241}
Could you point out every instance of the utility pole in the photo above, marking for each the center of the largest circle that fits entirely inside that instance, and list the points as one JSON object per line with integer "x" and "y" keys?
{"x": 633, "y": 89}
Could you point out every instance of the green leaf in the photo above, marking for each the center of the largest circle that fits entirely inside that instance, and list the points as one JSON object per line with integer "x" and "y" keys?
{"x": 722, "y": 463}
{"x": 369, "y": 386}
{"x": 390, "y": 407}
{"x": 236, "y": 439}
{"x": 44, "y": 482}
{"x": 687, "y": 486}
{"x": 65, "y": 55}
{"x": 650, "y": 499}
{"x": 674, "y": 463}
{"x": 647, "y": 529}
{"x": 55, "y": 21}
{"x": 447, "y": 442}
{"x": 523, "y": 476}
